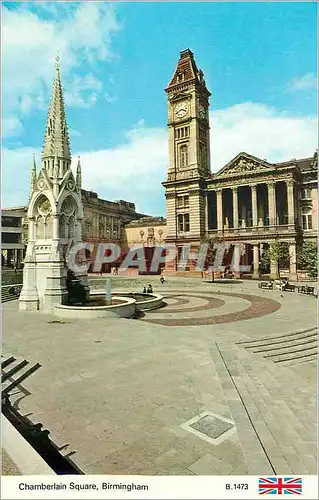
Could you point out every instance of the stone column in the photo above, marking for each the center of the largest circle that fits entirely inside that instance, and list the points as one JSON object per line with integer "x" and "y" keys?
{"x": 9, "y": 257}
{"x": 290, "y": 202}
{"x": 293, "y": 262}
{"x": 273, "y": 269}
{"x": 235, "y": 207}
{"x": 219, "y": 195}
{"x": 272, "y": 203}
{"x": 254, "y": 204}
{"x": 255, "y": 261}
{"x": 55, "y": 226}
{"x": 206, "y": 212}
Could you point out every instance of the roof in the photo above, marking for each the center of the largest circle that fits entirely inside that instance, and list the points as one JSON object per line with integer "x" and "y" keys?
{"x": 147, "y": 221}
{"x": 56, "y": 137}
{"x": 187, "y": 71}
{"x": 302, "y": 163}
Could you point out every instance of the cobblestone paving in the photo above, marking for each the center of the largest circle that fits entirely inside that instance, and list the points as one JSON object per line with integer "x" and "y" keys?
{"x": 116, "y": 393}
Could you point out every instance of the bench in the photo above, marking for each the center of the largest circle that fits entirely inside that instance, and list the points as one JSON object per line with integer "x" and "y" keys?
{"x": 266, "y": 284}
{"x": 307, "y": 290}
{"x": 288, "y": 288}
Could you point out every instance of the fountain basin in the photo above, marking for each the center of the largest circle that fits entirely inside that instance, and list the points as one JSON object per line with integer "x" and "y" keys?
{"x": 144, "y": 301}
{"x": 123, "y": 307}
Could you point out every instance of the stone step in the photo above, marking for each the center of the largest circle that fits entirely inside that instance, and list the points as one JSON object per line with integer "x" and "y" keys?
{"x": 310, "y": 339}
{"x": 269, "y": 341}
{"x": 298, "y": 433}
{"x": 293, "y": 354}
{"x": 257, "y": 461}
{"x": 275, "y": 413}
{"x": 279, "y": 385}
{"x": 249, "y": 397}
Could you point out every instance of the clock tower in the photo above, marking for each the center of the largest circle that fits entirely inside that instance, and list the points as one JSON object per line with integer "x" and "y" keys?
{"x": 189, "y": 152}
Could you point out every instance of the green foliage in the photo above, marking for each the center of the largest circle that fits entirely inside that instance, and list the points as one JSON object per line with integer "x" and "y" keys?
{"x": 211, "y": 251}
{"x": 277, "y": 252}
{"x": 308, "y": 258}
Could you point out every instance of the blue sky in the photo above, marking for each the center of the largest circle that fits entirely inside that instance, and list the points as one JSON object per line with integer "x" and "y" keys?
{"x": 259, "y": 61}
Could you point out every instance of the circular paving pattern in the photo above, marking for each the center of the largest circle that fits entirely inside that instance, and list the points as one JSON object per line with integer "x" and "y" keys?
{"x": 192, "y": 303}
{"x": 208, "y": 303}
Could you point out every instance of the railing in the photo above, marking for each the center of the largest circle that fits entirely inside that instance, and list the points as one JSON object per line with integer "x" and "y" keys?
{"x": 254, "y": 229}
{"x": 10, "y": 292}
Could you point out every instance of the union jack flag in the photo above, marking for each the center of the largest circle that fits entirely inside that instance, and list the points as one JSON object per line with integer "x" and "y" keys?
{"x": 280, "y": 486}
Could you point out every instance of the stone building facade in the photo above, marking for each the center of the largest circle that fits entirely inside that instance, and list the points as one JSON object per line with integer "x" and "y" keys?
{"x": 250, "y": 201}
{"x": 149, "y": 233}
{"x": 13, "y": 236}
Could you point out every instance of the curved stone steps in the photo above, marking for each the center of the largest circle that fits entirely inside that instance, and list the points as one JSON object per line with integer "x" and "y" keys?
{"x": 282, "y": 415}
{"x": 291, "y": 347}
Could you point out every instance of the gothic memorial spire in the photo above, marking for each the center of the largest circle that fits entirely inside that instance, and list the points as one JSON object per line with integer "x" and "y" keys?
{"x": 56, "y": 138}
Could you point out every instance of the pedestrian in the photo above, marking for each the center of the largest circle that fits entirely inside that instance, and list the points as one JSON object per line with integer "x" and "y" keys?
{"x": 149, "y": 289}
{"x": 144, "y": 289}
{"x": 162, "y": 280}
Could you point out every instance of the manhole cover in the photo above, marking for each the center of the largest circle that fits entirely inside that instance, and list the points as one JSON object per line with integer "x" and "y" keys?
{"x": 210, "y": 427}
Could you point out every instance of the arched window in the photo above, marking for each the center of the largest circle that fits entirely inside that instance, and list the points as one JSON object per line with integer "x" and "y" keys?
{"x": 184, "y": 156}
{"x": 71, "y": 227}
{"x": 63, "y": 228}
{"x": 307, "y": 220}
{"x": 48, "y": 227}
{"x": 40, "y": 234}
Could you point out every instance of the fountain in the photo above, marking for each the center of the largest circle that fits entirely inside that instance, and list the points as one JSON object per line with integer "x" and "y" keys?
{"x": 104, "y": 303}
{"x": 108, "y": 294}
{"x": 96, "y": 305}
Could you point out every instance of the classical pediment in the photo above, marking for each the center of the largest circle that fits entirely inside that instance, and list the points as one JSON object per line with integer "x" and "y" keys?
{"x": 244, "y": 163}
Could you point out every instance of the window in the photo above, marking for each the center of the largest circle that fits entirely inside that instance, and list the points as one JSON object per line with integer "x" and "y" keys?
{"x": 307, "y": 222}
{"x": 181, "y": 77}
{"x": 306, "y": 193}
{"x": 183, "y": 201}
{"x": 181, "y": 132}
{"x": 7, "y": 221}
{"x": 183, "y": 223}
{"x": 184, "y": 156}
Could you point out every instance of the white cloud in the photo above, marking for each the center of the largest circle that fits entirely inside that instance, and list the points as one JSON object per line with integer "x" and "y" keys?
{"x": 262, "y": 131}
{"x": 11, "y": 127}
{"x": 81, "y": 32}
{"x": 306, "y": 82}
{"x": 135, "y": 169}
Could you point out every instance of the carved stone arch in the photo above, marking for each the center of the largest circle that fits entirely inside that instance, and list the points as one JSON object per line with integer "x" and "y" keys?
{"x": 76, "y": 201}
{"x": 68, "y": 206}
{"x": 38, "y": 201}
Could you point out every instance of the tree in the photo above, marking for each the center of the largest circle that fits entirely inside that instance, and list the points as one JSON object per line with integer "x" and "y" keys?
{"x": 277, "y": 252}
{"x": 211, "y": 252}
{"x": 308, "y": 258}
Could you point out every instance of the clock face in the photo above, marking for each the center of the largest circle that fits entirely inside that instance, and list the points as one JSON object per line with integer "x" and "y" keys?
{"x": 181, "y": 109}
{"x": 202, "y": 111}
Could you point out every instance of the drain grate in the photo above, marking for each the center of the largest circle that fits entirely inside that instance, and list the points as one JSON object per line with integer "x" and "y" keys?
{"x": 210, "y": 427}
